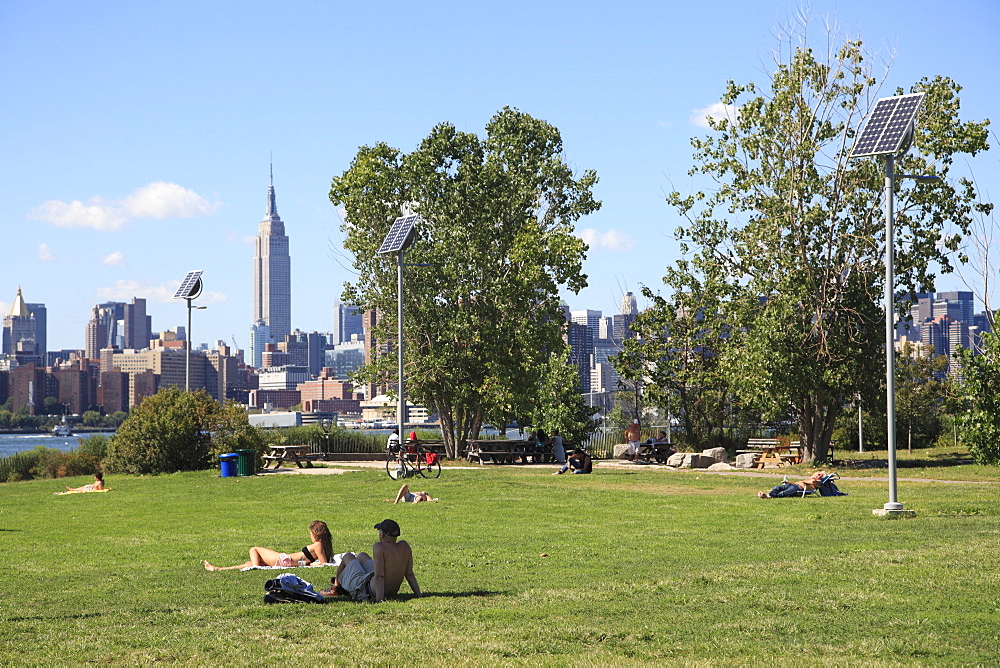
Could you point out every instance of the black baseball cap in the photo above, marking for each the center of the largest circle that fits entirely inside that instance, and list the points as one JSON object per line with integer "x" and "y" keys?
{"x": 388, "y": 527}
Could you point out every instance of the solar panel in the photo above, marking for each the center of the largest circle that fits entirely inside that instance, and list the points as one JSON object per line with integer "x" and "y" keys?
{"x": 400, "y": 234}
{"x": 888, "y": 125}
{"x": 190, "y": 286}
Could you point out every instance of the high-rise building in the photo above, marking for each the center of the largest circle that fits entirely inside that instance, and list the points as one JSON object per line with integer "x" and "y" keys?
{"x": 260, "y": 336}
{"x": 590, "y": 318}
{"x": 272, "y": 281}
{"x": 346, "y": 321}
{"x": 629, "y": 305}
{"x": 581, "y": 351}
{"x": 20, "y": 333}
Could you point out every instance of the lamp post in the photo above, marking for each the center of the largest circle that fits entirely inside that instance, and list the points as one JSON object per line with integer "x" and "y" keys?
{"x": 189, "y": 290}
{"x": 326, "y": 423}
{"x": 888, "y": 132}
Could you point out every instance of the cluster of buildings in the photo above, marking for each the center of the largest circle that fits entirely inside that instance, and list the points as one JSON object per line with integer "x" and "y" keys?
{"x": 124, "y": 360}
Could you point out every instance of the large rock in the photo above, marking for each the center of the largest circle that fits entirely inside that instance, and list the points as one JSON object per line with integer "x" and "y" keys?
{"x": 621, "y": 451}
{"x": 720, "y": 466}
{"x": 746, "y": 460}
{"x": 690, "y": 460}
{"x": 718, "y": 454}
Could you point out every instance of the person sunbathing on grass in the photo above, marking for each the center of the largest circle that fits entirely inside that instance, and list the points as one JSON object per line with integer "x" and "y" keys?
{"x": 96, "y": 486}
{"x": 406, "y": 496}
{"x": 316, "y": 553}
{"x": 786, "y": 489}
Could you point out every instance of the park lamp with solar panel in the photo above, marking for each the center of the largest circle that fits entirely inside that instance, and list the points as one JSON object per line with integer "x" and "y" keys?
{"x": 399, "y": 238}
{"x": 189, "y": 290}
{"x": 889, "y": 132}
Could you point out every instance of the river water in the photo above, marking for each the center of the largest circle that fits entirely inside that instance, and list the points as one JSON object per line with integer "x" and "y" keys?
{"x": 12, "y": 443}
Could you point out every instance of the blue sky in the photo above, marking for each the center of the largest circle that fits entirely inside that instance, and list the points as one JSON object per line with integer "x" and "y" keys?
{"x": 136, "y": 136}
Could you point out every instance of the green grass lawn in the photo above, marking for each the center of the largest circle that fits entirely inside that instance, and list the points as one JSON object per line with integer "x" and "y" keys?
{"x": 517, "y": 566}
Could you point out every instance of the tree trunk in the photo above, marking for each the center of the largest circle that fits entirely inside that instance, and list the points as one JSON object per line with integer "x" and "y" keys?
{"x": 817, "y": 415}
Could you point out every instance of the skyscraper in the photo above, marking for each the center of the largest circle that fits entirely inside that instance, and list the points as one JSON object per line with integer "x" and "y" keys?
{"x": 346, "y": 321}
{"x": 272, "y": 279}
{"x": 20, "y": 332}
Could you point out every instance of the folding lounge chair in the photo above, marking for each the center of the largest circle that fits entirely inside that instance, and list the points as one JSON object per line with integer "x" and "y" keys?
{"x": 826, "y": 487}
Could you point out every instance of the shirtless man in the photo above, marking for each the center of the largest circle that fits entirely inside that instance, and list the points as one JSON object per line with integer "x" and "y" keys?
{"x": 367, "y": 578}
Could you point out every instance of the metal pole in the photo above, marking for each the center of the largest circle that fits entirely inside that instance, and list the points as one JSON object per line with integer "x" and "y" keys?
{"x": 890, "y": 376}
{"x": 187, "y": 360}
{"x": 401, "y": 408}
{"x": 861, "y": 433}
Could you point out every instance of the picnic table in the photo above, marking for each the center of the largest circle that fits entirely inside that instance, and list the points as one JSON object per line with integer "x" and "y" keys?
{"x": 508, "y": 452}
{"x": 282, "y": 453}
{"x": 779, "y": 454}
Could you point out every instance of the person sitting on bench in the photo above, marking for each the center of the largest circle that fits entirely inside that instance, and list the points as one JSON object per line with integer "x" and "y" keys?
{"x": 579, "y": 462}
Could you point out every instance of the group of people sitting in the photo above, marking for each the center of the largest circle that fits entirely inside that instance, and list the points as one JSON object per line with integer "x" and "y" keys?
{"x": 362, "y": 576}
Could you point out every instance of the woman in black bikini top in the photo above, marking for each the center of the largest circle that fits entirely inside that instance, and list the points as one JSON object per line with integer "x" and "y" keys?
{"x": 320, "y": 551}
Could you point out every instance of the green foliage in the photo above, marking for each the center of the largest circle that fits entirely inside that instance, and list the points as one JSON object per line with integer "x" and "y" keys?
{"x": 791, "y": 237}
{"x": 176, "y": 430}
{"x": 560, "y": 405}
{"x": 43, "y": 462}
{"x": 494, "y": 246}
{"x": 52, "y": 406}
{"x": 979, "y": 425}
{"x": 91, "y": 419}
{"x": 922, "y": 389}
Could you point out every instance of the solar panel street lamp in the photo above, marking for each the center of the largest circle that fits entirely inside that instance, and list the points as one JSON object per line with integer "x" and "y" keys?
{"x": 189, "y": 290}
{"x": 399, "y": 238}
{"x": 888, "y": 132}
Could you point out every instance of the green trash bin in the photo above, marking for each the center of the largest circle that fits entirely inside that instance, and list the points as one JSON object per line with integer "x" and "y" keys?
{"x": 247, "y": 464}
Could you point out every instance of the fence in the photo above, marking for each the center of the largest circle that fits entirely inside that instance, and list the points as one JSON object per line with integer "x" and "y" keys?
{"x": 601, "y": 444}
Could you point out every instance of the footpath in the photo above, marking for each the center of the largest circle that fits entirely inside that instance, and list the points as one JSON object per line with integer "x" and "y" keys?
{"x": 605, "y": 464}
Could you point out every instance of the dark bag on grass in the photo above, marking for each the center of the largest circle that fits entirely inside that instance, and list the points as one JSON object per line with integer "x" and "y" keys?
{"x": 290, "y": 588}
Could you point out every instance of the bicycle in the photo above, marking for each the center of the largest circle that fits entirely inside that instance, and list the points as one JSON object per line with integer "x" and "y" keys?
{"x": 409, "y": 460}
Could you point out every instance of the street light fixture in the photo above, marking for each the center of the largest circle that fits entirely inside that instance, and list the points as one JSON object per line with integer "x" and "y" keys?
{"x": 399, "y": 238}
{"x": 888, "y": 132}
{"x": 189, "y": 290}
{"x": 326, "y": 423}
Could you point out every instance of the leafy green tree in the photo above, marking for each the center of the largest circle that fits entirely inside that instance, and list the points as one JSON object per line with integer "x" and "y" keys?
{"x": 53, "y": 406}
{"x": 91, "y": 419}
{"x": 922, "y": 387}
{"x": 176, "y": 430}
{"x": 796, "y": 231}
{"x": 496, "y": 236}
{"x": 560, "y": 405}
{"x": 979, "y": 425}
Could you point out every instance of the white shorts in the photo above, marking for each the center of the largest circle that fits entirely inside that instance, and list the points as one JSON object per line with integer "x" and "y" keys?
{"x": 633, "y": 447}
{"x": 355, "y": 575}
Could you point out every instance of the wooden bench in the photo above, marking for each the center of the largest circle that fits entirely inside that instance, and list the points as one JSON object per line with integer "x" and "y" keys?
{"x": 507, "y": 452}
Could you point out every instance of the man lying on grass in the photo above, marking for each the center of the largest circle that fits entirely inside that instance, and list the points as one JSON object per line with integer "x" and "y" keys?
{"x": 373, "y": 578}
{"x": 784, "y": 489}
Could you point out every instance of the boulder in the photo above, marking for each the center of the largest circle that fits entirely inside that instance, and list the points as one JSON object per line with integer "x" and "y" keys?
{"x": 720, "y": 466}
{"x": 718, "y": 454}
{"x": 676, "y": 459}
{"x": 621, "y": 451}
{"x": 690, "y": 460}
{"x": 746, "y": 460}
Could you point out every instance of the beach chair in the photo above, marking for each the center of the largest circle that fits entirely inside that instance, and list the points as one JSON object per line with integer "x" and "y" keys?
{"x": 826, "y": 487}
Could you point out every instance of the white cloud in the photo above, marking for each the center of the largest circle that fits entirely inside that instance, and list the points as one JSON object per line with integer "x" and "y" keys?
{"x": 115, "y": 259}
{"x": 611, "y": 240}
{"x": 98, "y": 214}
{"x": 45, "y": 253}
{"x": 161, "y": 200}
{"x": 717, "y": 111}
{"x": 156, "y": 200}
{"x": 125, "y": 289}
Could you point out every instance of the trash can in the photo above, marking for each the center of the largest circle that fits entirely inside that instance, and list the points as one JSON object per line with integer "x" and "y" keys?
{"x": 247, "y": 464}
{"x": 227, "y": 464}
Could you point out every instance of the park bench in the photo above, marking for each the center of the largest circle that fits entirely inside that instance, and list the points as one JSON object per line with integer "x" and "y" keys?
{"x": 281, "y": 453}
{"x": 507, "y": 452}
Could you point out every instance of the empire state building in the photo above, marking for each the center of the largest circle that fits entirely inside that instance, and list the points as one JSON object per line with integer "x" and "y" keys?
{"x": 272, "y": 281}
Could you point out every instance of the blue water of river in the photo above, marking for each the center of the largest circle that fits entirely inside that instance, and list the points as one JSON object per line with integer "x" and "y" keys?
{"x": 11, "y": 443}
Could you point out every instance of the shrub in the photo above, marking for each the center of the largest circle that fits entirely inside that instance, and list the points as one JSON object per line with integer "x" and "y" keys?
{"x": 176, "y": 430}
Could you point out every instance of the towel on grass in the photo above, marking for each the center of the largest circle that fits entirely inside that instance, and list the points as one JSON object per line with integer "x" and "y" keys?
{"x": 333, "y": 562}
{"x": 82, "y": 491}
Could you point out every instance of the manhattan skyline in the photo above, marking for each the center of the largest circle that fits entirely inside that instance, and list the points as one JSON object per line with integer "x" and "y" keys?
{"x": 138, "y": 137}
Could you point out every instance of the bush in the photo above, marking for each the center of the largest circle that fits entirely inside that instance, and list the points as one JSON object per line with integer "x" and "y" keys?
{"x": 176, "y": 430}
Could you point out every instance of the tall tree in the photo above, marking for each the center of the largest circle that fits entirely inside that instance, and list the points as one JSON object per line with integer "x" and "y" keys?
{"x": 796, "y": 231}
{"x": 496, "y": 234}
{"x": 979, "y": 424}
